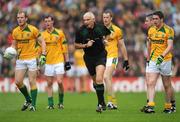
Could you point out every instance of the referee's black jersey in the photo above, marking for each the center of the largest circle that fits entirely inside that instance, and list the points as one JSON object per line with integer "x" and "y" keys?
{"x": 84, "y": 34}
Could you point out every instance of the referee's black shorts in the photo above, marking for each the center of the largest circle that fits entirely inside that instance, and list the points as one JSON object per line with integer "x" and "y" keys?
{"x": 92, "y": 62}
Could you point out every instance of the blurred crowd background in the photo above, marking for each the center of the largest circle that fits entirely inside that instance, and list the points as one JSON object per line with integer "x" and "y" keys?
{"x": 128, "y": 14}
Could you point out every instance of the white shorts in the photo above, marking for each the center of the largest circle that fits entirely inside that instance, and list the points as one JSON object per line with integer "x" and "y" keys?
{"x": 31, "y": 65}
{"x": 164, "y": 69}
{"x": 54, "y": 69}
{"x": 80, "y": 71}
{"x": 112, "y": 62}
{"x": 71, "y": 72}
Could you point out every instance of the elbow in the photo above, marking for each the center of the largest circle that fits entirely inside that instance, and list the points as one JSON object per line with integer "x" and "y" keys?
{"x": 171, "y": 48}
{"x": 77, "y": 46}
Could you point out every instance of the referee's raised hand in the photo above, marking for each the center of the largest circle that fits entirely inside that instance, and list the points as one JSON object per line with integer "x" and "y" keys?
{"x": 90, "y": 43}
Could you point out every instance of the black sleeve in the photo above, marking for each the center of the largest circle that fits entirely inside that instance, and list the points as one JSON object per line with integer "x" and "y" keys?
{"x": 78, "y": 38}
{"x": 106, "y": 31}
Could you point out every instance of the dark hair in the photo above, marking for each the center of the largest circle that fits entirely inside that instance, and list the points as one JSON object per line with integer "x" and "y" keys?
{"x": 49, "y": 16}
{"x": 149, "y": 15}
{"x": 159, "y": 13}
{"x": 108, "y": 11}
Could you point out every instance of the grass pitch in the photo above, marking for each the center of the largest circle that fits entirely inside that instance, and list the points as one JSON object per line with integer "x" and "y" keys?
{"x": 81, "y": 108}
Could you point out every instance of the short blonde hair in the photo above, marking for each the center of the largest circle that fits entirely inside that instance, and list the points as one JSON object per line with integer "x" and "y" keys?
{"x": 89, "y": 14}
{"x": 21, "y": 11}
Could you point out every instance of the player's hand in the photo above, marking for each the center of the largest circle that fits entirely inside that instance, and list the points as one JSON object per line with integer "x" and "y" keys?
{"x": 126, "y": 65}
{"x": 105, "y": 42}
{"x": 90, "y": 43}
{"x": 67, "y": 66}
{"x": 42, "y": 59}
{"x": 147, "y": 63}
{"x": 159, "y": 60}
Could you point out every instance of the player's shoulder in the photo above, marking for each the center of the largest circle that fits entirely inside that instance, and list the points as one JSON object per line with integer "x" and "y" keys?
{"x": 168, "y": 29}
{"x": 116, "y": 28}
{"x": 99, "y": 26}
{"x": 16, "y": 29}
{"x": 43, "y": 32}
{"x": 32, "y": 27}
{"x": 152, "y": 29}
{"x": 59, "y": 31}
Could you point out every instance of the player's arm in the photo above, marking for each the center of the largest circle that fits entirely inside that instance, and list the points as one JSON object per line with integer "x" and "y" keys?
{"x": 148, "y": 44}
{"x": 124, "y": 53}
{"x": 64, "y": 44}
{"x": 43, "y": 44}
{"x": 123, "y": 49}
{"x": 169, "y": 43}
{"x": 41, "y": 41}
{"x": 169, "y": 47}
{"x": 14, "y": 42}
{"x": 65, "y": 50}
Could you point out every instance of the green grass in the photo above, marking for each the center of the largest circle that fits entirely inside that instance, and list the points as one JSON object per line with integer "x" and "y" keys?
{"x": 81, "y": 108}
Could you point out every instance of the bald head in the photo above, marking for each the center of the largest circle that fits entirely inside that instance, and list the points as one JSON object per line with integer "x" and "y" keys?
{"x": 89, "y": 19}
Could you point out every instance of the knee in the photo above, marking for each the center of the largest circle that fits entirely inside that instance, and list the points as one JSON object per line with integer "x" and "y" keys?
{"x": 49, "y": 84}
{"x": 167, "y": 85}
{"x": 60, "y": 84}
{"x": 106, "y": 78}
{"x": 99, "y": 79}
{"x": 59, "y": 81}
{"x": 32, "y": 84}
{"x": 150, "y": 83}
{"x": 19, "y": 84}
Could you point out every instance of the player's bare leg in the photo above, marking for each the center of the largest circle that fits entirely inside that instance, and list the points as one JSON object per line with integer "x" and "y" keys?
{"x": 83, "y": 80}
{"x": 32, "y": 80}
{"x": 151, "y": 83}
{"x": 169, "y": 107}
{"x": 19, "y": 77}
{"x": 112, "y": 104}
{"x": 61, "y": 91}
{"x": 50, "y": 92}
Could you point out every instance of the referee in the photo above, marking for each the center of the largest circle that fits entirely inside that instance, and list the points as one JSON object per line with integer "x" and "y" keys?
{"x": 91, "y": 38}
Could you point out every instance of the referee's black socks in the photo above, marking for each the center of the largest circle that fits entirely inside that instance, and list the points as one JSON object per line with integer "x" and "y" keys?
{"x": 100, "y": 93}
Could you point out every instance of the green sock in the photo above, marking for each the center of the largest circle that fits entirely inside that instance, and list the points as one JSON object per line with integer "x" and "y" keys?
{"x": 61, "y": 98}
{"x": 50, "y": 101}
{"x": 34, "y": 96}
{"x": 24, "y": 91}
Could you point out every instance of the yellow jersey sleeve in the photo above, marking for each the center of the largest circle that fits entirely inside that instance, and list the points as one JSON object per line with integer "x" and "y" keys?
{"x": 171, "y": 34}
{"x": 36, "y": 32}
{"x": 64, "y": 42}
